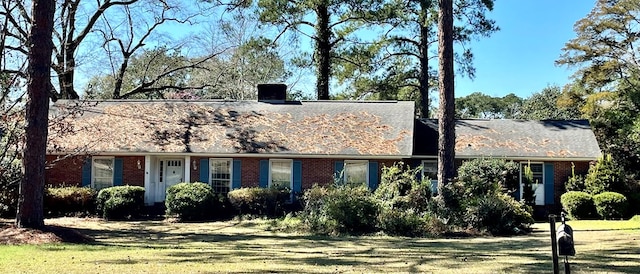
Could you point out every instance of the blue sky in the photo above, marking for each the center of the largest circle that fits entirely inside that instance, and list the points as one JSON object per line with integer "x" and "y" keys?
{"x": 520, "y": 57}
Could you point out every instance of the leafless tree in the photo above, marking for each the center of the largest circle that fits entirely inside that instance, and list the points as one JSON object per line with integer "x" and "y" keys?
{"x": 81, "y": 28}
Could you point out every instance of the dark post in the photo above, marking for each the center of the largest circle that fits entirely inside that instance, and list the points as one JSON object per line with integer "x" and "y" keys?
{"x": 554, "y": 248}
{"x": 565, "y": 243}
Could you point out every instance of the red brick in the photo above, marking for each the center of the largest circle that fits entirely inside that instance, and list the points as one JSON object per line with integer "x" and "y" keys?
{"x": 68, "y": 170}
{"x": 64, "y": 170}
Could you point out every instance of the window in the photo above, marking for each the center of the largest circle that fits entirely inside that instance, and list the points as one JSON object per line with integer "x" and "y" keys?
{"x": 430, "y": 172}
{"x": 280, "y": 174}
{"x": 538, "y": 181}
{"x": 102, "y": 172}
{"x": 220, "y": 175}
{"x": 356, "y": 172}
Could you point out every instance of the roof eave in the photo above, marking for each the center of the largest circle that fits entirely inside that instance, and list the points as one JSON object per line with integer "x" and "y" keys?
{"x": 245, "y": 155}
{"x": 517, "y": 158}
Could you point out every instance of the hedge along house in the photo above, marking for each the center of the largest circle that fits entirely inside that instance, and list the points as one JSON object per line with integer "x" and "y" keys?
{"x": 550, "y": 148}
{"x": 227, "y": 144}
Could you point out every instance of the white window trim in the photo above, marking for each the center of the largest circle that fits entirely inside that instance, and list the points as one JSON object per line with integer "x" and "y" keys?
{"x": 290, "y": 161}
{"x": 113, "y": 172}
{"x": 230, "y": 170}
{"x": 428, "y": 161}
{"x": 541, "y": 184}
{"x": 344, "y": 170}
{"x": 433, "y": 181}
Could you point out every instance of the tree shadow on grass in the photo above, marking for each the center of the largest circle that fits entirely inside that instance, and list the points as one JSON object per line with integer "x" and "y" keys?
{"x": 529, "y": 253}
{"x": 69, "y": 235}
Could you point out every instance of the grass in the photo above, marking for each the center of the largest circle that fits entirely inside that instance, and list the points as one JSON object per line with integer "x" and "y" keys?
{"x": 250, "y": 246}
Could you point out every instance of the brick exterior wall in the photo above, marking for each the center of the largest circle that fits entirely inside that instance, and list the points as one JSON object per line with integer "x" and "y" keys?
{"x": 64, "y": 171}
{"x": 562, "y": 172}
{"x": 132, "y": 175}
{"x": 68, "y": 171}
{"x": 314, "y": 171}
{"x": 251, "y": 172}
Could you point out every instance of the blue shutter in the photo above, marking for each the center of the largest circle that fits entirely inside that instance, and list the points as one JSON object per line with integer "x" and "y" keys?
{"x": 264, "y": 173}
{"x": 118, "y": 171}
{"x": 86, "y": 172}
{"x": 237, "y": 174}
{"x": 373, "y": 175}
{"x": 338, "y": 168}
{"x": 434, "y": 187}
{"x": 549, "y": 195}
{"x": 204, "y": 171}
{"x": 297, "y": 177}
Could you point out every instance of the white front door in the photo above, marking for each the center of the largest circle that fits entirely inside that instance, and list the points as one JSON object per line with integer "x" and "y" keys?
{"x": 171, "y": 172}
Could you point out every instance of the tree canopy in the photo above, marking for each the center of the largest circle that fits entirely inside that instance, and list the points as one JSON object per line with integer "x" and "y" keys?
{"x": 546, "y": 105}
{"x": 399, "y": 64}
{"x": 480, "y": 105}
{"x": 606, "y": 86}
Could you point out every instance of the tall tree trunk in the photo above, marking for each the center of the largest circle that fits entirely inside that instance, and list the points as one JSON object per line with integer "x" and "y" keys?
{"x": 67, "y": 89}
{"x": 65, "y": 70}
{"x": 323, "y": 51}
{"x": 117, "y": 89}
{"x": 446, "y": 109}
{"x": 30, "y": 209}
{"x": 423, "y": 75}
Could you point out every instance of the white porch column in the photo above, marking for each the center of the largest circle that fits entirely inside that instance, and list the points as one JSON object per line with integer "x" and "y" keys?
{"x": 187, "y": 168}
{"x": 149, "y": 193}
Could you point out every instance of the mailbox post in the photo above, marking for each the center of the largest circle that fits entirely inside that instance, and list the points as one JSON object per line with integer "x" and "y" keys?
{"x": 554, "y": 247}
{"x": 561, "y": 243}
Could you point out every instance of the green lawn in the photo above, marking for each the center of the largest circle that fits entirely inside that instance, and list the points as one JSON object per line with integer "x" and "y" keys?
{"x": 163, "y": 247}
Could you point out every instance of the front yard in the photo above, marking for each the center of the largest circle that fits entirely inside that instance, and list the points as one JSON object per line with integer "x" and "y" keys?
{"x": 251, "y": 246}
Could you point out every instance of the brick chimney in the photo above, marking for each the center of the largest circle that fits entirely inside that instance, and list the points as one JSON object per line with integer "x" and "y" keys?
{"x": 272, "y": 93}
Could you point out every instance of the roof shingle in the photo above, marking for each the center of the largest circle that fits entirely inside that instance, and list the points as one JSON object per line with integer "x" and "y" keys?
{"x": 225, "y": 127}
{"x": 513, "y": 139}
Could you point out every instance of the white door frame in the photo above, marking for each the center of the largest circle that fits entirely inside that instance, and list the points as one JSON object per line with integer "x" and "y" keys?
{"x": 154, "y": 191}
{"x": 163, "y": 167}
{"x": 538, "y": 188}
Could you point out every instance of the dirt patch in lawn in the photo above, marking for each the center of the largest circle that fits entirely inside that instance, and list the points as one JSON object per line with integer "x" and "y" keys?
{"x": 13, "y": 235}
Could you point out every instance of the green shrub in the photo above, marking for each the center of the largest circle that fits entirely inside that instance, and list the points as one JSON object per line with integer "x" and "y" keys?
{"x": 259, "y": 201}
{"x": 340, "y": 209}
{"x": 399, "y": 188}
{"x": 579, "y": 205}
{"x": 401, "y": 222}
{"x": 528, "y": 191}
{"x": 574, "y": 182}
{"x": 611, "y": 205}
{"x": 480, "y": 199}
{"x": 193, "y": 202}
{"x": 353, "y": 209}
{"x": 482, "y": 176}
{"x": 120, "y": 202}
{"x": 313, "y": 214}
{"x": 449, "y": 206}
{"x": 499, "y": 214}
{"x": 604, "y": 176}
{"x": 69, "y": 201}
{"x": 10, "y": 176}
{"x": 404, "y": 201}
